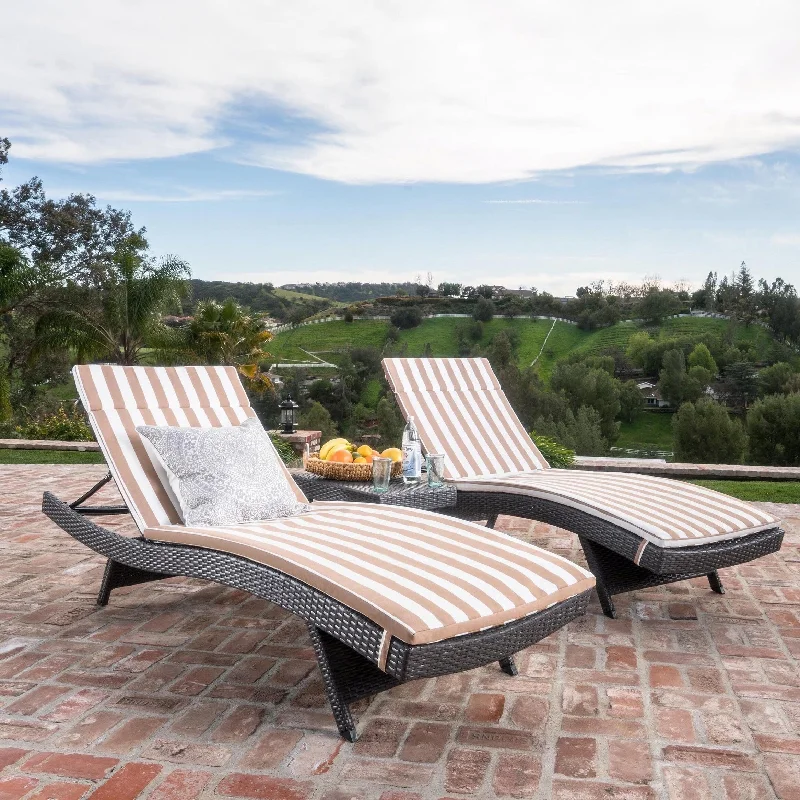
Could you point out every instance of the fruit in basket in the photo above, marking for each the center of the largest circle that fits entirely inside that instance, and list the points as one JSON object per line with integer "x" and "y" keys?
{"x": 395, "y": 453}
{"x": 334, "y": 444}
{"x": 342, "y": 455}
{"x": 364, "y": 451}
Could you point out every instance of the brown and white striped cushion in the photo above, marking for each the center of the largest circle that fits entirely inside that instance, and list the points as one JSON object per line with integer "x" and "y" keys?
{"x": 117, "y": 399}
{"x": 460, "y": 410}
{"x": 664, "y": 512}
{"x": 421, "y": 576}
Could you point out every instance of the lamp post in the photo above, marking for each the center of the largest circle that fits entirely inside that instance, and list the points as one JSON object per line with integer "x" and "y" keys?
{"x": 288, "y": 412}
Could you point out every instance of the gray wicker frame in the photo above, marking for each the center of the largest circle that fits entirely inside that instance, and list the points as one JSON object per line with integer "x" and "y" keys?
{"x": 346, "y": 643}
{"x": 610, "y": 550}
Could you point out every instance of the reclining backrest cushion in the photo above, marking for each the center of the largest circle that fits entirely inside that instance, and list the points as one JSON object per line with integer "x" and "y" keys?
{"x": 460, "y": 410}
{"x": 117, "y": 399}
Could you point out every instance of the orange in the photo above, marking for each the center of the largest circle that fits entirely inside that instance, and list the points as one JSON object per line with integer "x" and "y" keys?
{"x": 343, "y": 456}
{"x": 395, "y": 453}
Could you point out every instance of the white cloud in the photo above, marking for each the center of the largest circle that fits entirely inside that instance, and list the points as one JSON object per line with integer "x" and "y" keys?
{"x": 458, "y": 91}
{"x": 183, "y": 196}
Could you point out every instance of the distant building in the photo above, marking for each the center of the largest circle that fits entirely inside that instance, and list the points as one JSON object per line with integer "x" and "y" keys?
{"x": 651, "y": 396}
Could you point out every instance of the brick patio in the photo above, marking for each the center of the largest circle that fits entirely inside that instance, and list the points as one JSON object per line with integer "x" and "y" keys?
{"x": 183, "y": 689}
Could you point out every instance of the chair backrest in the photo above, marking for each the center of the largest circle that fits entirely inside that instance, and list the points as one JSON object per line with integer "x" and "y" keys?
{"x": 460, "y": 410}
{"x": 117, "y": 399}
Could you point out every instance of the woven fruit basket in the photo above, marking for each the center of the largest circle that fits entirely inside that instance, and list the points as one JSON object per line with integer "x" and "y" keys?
{"x": 338, "y": 471}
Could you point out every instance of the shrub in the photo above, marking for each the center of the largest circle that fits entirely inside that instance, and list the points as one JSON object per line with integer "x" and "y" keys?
{"x": 554, "y": 453}
{"x": 703, "y": 432}
{"x": 580, "y": 431}
{"x": 62, "y": 426}
{"x": 285, "y": 450}
{"x": 773, "y": 380}
{"x": 484, "y": 310}
{"x": 773, "y": 425}
{"x": 407, "y": 317}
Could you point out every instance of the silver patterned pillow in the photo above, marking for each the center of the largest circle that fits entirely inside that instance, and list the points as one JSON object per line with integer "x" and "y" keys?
{"x": 223, "y": 476}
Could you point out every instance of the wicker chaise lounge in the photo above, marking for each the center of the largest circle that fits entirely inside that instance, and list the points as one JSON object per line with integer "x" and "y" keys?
{"x": 389, "y": 594}
{"x": 636, "y": 531}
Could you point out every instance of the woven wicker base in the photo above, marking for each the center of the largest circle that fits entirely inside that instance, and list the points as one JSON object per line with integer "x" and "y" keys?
{"x": 610, "y": 550}
{"x": 346, "y": 643}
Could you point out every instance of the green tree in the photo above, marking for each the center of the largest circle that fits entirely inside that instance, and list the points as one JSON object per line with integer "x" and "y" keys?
{"x": 773, "y": 426}
{"x": 318, "y": 418}
{"x": 698, "y": 379}
{"x": 630, "y": 402}
{"x": 579, "y": 431}
{"x": 701, "y": 357}
{"x": 449, "y": 289}
{"x": 406, "y": 317}
{"x": 703, "y": 432}
{"x": 390, "y": 422}
{"x": 225, "y": 333}
{"x": 672, "y": 377}
{"x": 638, "y": 347}
{"x": 116, "y": 321}
{"x": 501, "y": 351}
{"x": 484, "y": 310}
{"x": 740, "y": 383}
{"x": 583, "y": 385}
{"x": 657, "y": 305}
{"x": 774, "y": 379}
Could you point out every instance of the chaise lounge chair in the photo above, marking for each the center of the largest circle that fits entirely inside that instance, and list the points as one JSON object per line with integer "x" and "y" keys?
{"x": 389, "y": 594}
{"x": 636, "y": 531}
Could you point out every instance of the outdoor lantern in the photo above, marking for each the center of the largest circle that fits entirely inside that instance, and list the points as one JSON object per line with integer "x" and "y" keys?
{"x": 288, "y": 411}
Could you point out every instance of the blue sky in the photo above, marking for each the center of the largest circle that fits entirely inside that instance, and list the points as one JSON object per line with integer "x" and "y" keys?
{"x": 266, "y": 141}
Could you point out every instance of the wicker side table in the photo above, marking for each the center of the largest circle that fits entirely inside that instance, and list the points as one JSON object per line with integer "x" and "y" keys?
{"x": 418, "y": 495}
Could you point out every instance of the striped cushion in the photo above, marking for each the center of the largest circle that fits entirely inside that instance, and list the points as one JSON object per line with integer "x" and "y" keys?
{"x": 459, "y": 409}
{"x": 117, "y": 399}
{"x": 664, "y": 512}
{"x": 421, "y": 576}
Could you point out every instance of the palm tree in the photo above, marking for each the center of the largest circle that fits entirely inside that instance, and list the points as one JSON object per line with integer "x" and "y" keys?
{"x": 128, "y": 314}
{"x": 224, "y": 333}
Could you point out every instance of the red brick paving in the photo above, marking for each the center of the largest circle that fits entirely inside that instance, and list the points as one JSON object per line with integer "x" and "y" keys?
{"x": 185, "y": 690}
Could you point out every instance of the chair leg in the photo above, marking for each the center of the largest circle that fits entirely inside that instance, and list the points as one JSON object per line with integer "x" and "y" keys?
{"x": 118, "y": 575}
{"x": 606, "y": 603}
{"x": 509, "y": 666}
{"x": 594, "y": 559}
{"x": 490, "y": 522}
{"x": 347, "y": 676}
{"x": 715, "y": 582}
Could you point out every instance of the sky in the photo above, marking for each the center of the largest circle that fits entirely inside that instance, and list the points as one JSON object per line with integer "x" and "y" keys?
{"x": 523, "y": 143}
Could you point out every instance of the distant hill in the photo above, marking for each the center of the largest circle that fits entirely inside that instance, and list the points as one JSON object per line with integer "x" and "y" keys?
{"x": 351, "y": 292}
{"x": 262, "y": 297}
{"x": 441, "y": 338}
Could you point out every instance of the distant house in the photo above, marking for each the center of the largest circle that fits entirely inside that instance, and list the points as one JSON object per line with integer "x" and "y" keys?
{"x": 651, "y": 396}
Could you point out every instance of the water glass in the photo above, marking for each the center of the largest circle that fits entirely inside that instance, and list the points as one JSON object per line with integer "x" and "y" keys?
{"x": 434, "y": 464}
{"x": 381, "y": 472}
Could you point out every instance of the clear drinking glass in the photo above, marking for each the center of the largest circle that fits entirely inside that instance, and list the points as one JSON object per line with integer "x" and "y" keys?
{"x": 381, "y": 472}
{"x": 434, "y": 464}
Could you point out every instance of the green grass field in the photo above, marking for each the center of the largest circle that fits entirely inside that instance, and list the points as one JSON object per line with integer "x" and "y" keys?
{"x": 440, "y": 333}
{"x": 650, "y": 432}
{"x": 290, "y": 295}
{"x": 757, "y": 491}
{"x": 49, "y": 457}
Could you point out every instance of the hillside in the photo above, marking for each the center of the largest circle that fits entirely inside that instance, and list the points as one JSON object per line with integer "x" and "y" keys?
{"x": 330, "y": 338}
